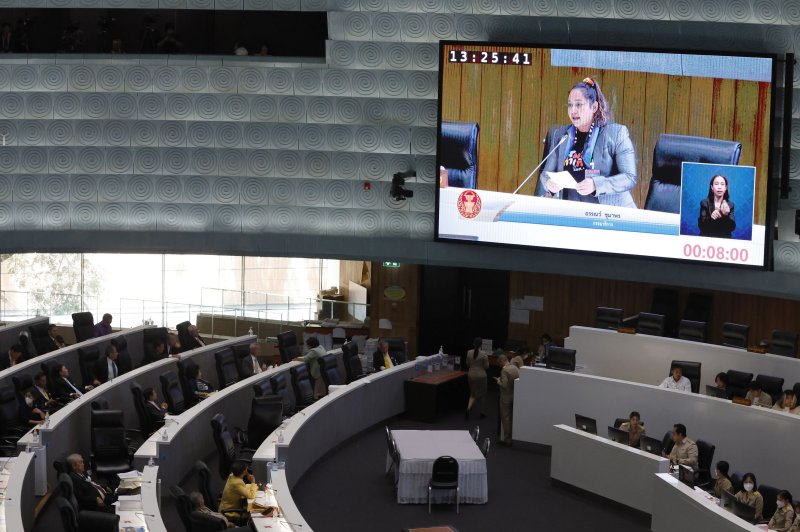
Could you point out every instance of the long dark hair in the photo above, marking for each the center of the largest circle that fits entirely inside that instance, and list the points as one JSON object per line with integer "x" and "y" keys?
{"x": 711, "y": 192}
{"x": 477, "y": 343}
{"x": 590, "y": 89}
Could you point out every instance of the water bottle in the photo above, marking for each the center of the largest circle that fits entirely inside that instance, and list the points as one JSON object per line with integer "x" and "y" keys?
{"x": 151, "y": 462}
{"x": 35, "y": 435}
{"x": 46, "y": 420}
{"x": 416, "y": 367}
{"x": 164, "y": 435}
{"x": 280, "y": 436}
{"x": 250, "y": 331}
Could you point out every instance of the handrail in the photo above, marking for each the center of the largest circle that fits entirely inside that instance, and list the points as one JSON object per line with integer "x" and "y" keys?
{"x": 77, "y": 303}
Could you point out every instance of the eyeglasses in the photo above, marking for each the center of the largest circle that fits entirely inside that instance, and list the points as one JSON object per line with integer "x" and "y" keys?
{"x": 576, "y": 105}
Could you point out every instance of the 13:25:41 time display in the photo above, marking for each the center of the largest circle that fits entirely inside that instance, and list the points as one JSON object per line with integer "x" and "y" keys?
{"x": 489, "y": 58}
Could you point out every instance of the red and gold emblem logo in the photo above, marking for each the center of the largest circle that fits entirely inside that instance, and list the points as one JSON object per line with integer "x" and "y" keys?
{"x": 469, "y": 204}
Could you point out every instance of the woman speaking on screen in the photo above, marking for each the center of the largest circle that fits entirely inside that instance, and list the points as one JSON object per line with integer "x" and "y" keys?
{"x": 716, "y": 210}
{"x": 597, "y": 152}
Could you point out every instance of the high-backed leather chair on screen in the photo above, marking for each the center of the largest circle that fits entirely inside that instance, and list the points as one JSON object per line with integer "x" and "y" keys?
{"x": 738, "y": 383}
{"x": 783, "y": 343}
{"x": 670, "y": 152}
{"x": 607, "y": 318}
{"x": 691, "y": 370}
{"x": 288, "y": 346}
{"x": 694, "y": 331}
{"x": 458, "y": 153}
{"x": 735, "y": 335}
{"x": 83, "y": 325}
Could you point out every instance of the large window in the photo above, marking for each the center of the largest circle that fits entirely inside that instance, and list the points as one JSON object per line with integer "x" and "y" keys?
{"x": 164, "y": 289}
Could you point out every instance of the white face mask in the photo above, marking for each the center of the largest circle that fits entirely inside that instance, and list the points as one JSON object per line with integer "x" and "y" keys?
{"x": 780, "y": 503}
{"x": 748, "y": 486}
{"x": 29, "y": 401}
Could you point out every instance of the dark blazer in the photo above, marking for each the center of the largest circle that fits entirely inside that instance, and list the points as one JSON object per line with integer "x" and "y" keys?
{"x": 377, "y": 360}
{"x": 156, "y": 413}
{"x": 61, "y": 390}
{"x": 39, "y": 400}
{"x": 150, "y": 355}
{"x": 5, "y": 360}
{"x": 722, "y": 227}
{"x": 614, "y": 158}
{"x": 246, "y": 366}
{"x": 26, "y": 414}
{"x": 200, "y": 386}
{"x": 87, "y": 494}
{"x": 100, "y": 370}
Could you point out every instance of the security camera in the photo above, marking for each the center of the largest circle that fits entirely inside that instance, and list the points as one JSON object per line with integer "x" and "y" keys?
{"x": 398, "y": 192}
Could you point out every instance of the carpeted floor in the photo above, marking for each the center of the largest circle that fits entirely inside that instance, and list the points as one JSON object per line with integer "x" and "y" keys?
{"x": 347, "y": 491}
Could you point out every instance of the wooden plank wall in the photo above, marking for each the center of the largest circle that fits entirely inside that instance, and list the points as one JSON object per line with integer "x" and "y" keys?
{"x": 404, "y": 314}
{"x": 516, "y": 105}
{"x": 573, "y": 300}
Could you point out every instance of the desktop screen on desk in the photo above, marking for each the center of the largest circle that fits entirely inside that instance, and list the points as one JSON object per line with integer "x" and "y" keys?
{"x": 675, "y": 166}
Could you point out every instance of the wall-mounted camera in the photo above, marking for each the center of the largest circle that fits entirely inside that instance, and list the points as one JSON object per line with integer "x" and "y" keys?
{"x": 399, "y": 192}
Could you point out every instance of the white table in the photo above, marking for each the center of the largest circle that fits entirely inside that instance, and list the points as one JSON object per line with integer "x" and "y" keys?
{"x": 419, "y": 448}
{"x": 274, "y": 522}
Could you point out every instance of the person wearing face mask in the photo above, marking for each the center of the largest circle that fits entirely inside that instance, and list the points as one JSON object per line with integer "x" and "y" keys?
{"x": 796, "y": 523}
{"x": 723, "y": 482}
{"x": 28, "y": 413}
{"x": 784, "y": 514}
{"x": 750, "y": 495}
{"x": 787, "y": 403}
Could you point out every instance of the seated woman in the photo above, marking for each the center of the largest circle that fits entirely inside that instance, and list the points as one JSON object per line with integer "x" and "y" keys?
{"x": 28, "y": 413}
{"x": 635, "y": 428}
{"x": 750, "y": 495}
{"x": 240, "y": 486}
{"x": 783, "y": 517}
{"x": 723, "y": 482}
{"x": 787, "y": 403}
{"x": 201, "y": 388}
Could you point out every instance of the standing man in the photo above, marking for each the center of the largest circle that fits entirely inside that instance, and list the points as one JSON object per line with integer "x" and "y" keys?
{"x": 103, "y": 327}
{"x": 315, "y": 352}
{"x": 508, "y": 374}
{"x": 684, "y": 452}
{"x": 676, "y": 381}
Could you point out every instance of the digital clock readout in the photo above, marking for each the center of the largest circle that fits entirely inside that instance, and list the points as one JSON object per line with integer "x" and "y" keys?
{"x": 489, "y": 58}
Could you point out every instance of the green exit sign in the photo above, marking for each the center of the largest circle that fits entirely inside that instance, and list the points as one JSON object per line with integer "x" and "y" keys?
{"x": 391, "y": 264}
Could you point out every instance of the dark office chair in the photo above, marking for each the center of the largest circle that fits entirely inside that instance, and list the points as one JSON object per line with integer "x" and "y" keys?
{"x": 124, "y": 362}
{"x": 172, "y": 393}
{"x": 771, "y": 385}
{"x": 669, "y": 153}
{"x": 22, "y": 383}
{"x": 444, "y": 477}
{"x": 101, "y": 403}
{"x": 698, "y": 307}
{"x": 770, "y": 496}
{"x": 40, "y": 339}
{"x": 184, "y": 506}
{"x": 75, "y": 520}
{"x": 288, "y": 348}
{"x": 204, "y": 485}
{"x": 11, "y": 428}
{"x": 783, "y": 343}
{"x": 188, "y": 393}
{"x": 329, "y": 371}
{"x": 652, "y": 324}
{"x": 146, "y": 424}
{"x": 705, "y": 458}
{"x": 607, "y": 318}
{"x": 694, "y": 331}
{"x": 735, "y": 335}
{"x": 458, "y": 152}
{"x": 227, "y": 369}
{"x": 279, "y": 386}
{"x": 266, "y": 415}
{"x": 150, "y": 337}
{"x": 736, "y": 482}
{"x": 87, "y": 357}
{"x": 303, "y": 387}
{"x": 262, "y": 388}
{"x": 738, "y": 383}
{"x": 184, "y": 337}
{"x": 83, "y": 325}
{"x": 619, "y": 421}
{"x": 397, "y": 348}
{"x": 227, "y": 450}
{"x": 691, "y": 370}
{"x": 352, "y": 364}
{"x": 110, "y": 453}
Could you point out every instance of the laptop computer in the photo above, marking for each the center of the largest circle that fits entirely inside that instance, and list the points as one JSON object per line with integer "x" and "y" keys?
{"x": 618, "y": 435}
{"x": 713, "y": 391}
{"x": 585, "y": 424}
{"x": 651, "y": 445}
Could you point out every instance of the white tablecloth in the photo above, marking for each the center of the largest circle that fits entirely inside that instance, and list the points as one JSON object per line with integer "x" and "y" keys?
{"x": 419, "y": 448}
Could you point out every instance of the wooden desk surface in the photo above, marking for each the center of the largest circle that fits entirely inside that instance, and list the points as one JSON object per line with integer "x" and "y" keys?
{"x": 439, "y": 377}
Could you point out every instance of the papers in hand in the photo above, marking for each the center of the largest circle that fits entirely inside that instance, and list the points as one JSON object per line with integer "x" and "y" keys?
{"x": 563, "y": 179}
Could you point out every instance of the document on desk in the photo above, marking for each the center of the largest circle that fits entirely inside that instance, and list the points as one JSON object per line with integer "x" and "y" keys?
{"x": 563, "y": 179}
{"x": 130, "y": 475}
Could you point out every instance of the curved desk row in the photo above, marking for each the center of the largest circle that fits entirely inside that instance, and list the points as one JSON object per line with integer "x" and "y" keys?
{"x": 544, "y": 398}
{"x": 19, "y": 501}
{"x": 9, "y": 334}
{"x": 646, "y": 359}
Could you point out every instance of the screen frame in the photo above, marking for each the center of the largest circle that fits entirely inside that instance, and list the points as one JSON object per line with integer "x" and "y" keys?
{"x": 769, "y": 222}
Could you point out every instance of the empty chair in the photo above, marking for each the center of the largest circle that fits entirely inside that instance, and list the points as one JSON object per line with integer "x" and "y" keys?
{"x": 352, "y": 364}
{"x": 735, "y": 335}
{"x": 694, "y": 331}
{"x": 698, "y": 307}
{"x": 41, "y": 341}
{"x": 75, "y": 520}
{"x": 288, "y": 348}
{"x": 771, "y": 385}
{"x": 302, "y": 385}
{"x": 279, "y": 386}
{"x": 11, "y": 429}
{"x": 738, "y": 383}
{"x": 266, "y": 415}
{"x": 83, "y": 325}
{"x": 188, "y": 393}
{"x": 444, "y": 476}
{"x": 667, "y": 443}
{"x": 172, "y": 393}
{"x": 783, "y": 343}
{"x": 652, "y": 324}
{"x": 607, "y": 318}
{"x": 705, "y": 457}
{"x": 227, "y": 450}
{"x": 87, "y": 358}
{"x": 110, "y": 454}
{"x": 262, "y": 388}
{"x": 691, "y": 370}
{"x": 101, "y": 403}
{"x": 459, "y": 153}
{"x": 227, "y": 369}
{"x": 124, "y": 362}
{"x": 329, "y": 371}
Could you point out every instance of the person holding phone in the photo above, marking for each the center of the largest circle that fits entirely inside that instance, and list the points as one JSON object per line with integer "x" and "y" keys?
{"x": 239, "y": 487}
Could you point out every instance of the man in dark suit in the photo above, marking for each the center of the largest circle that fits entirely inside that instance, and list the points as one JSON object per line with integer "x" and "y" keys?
{"x": 55, "y": 339}
{"x": 194, "y": 338}
{"x": 13, "y": 357}
{"x": 251, "y": 365}
{"x": 106, "y": 368}
{"x": 41, "y": 396}
{"x": 90, "y": 495}
{"x": 382, "y": 359}
{"x": 155, "y": 410}
{"x": 63, "y": 388}
{"x": 155, "y": 352}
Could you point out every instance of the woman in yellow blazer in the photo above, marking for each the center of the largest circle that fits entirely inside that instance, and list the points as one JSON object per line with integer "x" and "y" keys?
{"x": 240, "y": 486}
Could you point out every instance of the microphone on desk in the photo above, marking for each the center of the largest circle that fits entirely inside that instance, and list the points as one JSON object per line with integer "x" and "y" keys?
{"x": 285, "y": 522}
{"x": 560, "y": 142}
{"x": 144, "y": 514}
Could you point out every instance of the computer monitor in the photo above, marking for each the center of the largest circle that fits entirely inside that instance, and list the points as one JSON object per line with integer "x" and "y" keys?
{"x": 686, "y": 475}
{"x": 713, "y": 391}
{"x": 618, "y": 435}
{"x": 651, "y": 445}
{"x": 560, "y": 358}
{"x": 727, "y": 498}
{"x": 585, "y": 424}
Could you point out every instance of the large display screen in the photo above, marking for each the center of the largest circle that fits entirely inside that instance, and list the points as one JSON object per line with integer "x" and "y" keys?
{"x": 656, "y": 154}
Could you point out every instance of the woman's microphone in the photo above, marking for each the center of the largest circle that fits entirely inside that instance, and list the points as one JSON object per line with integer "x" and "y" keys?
{"x": 560, "y": 142}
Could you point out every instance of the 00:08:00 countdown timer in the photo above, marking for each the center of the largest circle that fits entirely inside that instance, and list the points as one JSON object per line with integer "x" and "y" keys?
{"x": 489, "y": 58}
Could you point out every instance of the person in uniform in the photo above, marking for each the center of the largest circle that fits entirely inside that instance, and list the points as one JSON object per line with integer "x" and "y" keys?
{"x": 787, "y": 403}
{"x": 508, "y": 374}
{"x": 478, "y": 363}
{"x": 757, "y": 397}
{"x": 723, "y": 482}
{"x": 684, "y": 452}
{"x": 634, "y": 427}
{"x": 783, "y": 517}
{"x": 750, "y": 496}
